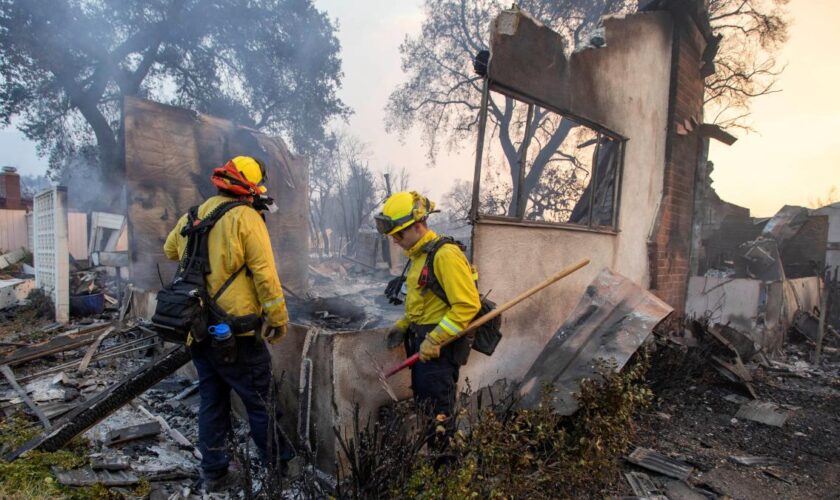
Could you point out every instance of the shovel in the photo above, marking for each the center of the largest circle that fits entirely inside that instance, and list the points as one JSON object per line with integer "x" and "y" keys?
{"x": 492, "y": 314}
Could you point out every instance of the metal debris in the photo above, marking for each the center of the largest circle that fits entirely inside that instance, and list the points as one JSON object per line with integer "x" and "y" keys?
{"x": 642, "y": 485}
{"x": 657, "y": 462}
{"x": 10, "y": 377}
{"x": 751, "y": 461}
{"x": 612, "y": 320}
{"x": 90, "y": 412}
{"x": 763, "y": 412}
{"x": 140, "y": 431}
{"x": 736, "y": 398}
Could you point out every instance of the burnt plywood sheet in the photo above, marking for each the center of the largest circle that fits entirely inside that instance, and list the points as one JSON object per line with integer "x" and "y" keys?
{"x": 611, "y": 321}
{"x": 169, "y": 155}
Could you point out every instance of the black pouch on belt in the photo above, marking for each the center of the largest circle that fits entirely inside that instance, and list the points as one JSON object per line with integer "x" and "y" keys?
{"x": 224, "y": 351}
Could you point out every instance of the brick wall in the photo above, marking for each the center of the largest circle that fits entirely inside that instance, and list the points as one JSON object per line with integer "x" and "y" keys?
{"x": 670, "y": 245}
{"x": 10, "y": 190}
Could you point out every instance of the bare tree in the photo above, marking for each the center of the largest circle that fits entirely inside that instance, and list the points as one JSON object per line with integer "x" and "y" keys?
{"x": 831, "y": 196}
{"x": 344, "y": 191}
{"x": 443, "y": 97}
{"x": 323, "y": 171}
{"x": 457, "y": 201}
{"x": 745, "y": 64}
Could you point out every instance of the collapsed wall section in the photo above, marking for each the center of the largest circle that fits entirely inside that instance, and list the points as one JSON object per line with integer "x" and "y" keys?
{"x": 169, "y": 155}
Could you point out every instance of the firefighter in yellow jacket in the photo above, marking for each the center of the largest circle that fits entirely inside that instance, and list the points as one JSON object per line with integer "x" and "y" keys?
{"x": 429, "y": 319}
{"x": 252, "y": 305}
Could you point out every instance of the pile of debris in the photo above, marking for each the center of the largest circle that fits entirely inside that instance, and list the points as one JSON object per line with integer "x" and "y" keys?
{"x": 732, "y": 421}
{"x": 71, "y": 383}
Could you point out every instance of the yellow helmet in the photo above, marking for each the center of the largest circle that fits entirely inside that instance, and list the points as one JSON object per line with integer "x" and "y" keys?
{"x": 402, "y": 210}
{"x": 241, "y": 176}
{"x": 252, "y": 170}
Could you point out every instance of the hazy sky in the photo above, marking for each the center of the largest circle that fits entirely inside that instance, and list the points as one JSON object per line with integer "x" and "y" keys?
{"x": 794, "y": 156}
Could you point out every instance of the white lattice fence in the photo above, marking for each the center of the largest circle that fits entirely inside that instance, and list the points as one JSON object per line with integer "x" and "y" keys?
{"x": 52, "y": 258}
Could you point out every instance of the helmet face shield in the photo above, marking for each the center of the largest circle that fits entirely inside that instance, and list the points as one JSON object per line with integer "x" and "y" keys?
{"x": 386, "y": 225}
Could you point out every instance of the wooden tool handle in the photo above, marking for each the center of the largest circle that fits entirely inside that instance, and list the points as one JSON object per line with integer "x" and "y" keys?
{"x": 499, "y": 310}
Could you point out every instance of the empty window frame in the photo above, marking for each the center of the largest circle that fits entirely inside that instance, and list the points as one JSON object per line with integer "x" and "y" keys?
{"x": 569, "y": 172}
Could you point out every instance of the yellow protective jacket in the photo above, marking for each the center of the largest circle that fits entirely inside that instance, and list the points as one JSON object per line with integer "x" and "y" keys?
{"x": 239, "y": 237}
{"x": 455, "y": 274}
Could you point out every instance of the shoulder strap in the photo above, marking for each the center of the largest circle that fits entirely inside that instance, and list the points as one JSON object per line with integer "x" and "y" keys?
{"x": 431, "y": 249}
{"x": 226, "y": 284}
{"x": 194, "y": 224}
{"x": 196, "y": 260}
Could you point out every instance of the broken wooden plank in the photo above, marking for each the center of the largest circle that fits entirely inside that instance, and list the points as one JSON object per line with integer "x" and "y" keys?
{"x": 126, "y": 302}
{"x": 751, "y": 460}
{"x": 189, "y": 391}
{"x": 140, "y": 431}
{"x": 86, "y": 476}
{"x": 87, "y": 414}
{"x": 83, "y": 366}
{"x": 55, "y": 345}
{"x": 657, "y": 462}
{"x": 10, "y": 377}
{"x": 174, "y": 473}
{"x": 112, "y": 352}
{"x": 736, "y": 372}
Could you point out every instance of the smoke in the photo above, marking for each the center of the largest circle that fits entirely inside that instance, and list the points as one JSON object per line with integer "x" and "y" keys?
{"x": 30, "y": 185}
{"x": 86, "y": 190}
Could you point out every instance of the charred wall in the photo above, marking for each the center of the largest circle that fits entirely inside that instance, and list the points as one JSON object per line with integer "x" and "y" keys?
{"x": 169, "y": 155}
{"x": 805, "y": 254}
{"x": 624, "y": 87}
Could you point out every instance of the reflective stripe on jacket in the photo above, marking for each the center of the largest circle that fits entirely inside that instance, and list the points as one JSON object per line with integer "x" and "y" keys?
{"x": 239, "y": 237}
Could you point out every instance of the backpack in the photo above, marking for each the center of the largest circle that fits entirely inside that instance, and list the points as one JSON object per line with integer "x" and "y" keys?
{"x": 488, "y": 335}
{"x": 184, "y": 306}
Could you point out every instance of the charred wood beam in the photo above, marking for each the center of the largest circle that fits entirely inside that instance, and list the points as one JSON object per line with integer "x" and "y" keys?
{"x": 105, "y": 403}
{"x": 10, "y": 377}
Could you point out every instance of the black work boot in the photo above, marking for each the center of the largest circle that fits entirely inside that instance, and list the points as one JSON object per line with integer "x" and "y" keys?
{"x": 230, "y": 480}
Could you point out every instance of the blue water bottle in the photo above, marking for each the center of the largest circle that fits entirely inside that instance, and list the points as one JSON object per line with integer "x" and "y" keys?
{"x": 224, "y": 343}
{"x": 220, "y": 332}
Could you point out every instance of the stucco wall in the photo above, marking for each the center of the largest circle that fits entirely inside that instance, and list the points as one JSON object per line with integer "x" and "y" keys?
{"x": 762, "y": 310}
{"x": 345, "y": 373}
{"x": 630, "y": 77}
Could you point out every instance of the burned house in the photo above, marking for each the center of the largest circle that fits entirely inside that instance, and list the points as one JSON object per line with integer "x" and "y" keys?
{"x": 627, "y": 166}
{"x": 596, "y": 153}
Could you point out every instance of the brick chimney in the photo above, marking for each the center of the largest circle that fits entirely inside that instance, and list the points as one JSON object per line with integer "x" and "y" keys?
{"x": 10, "y": 189}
